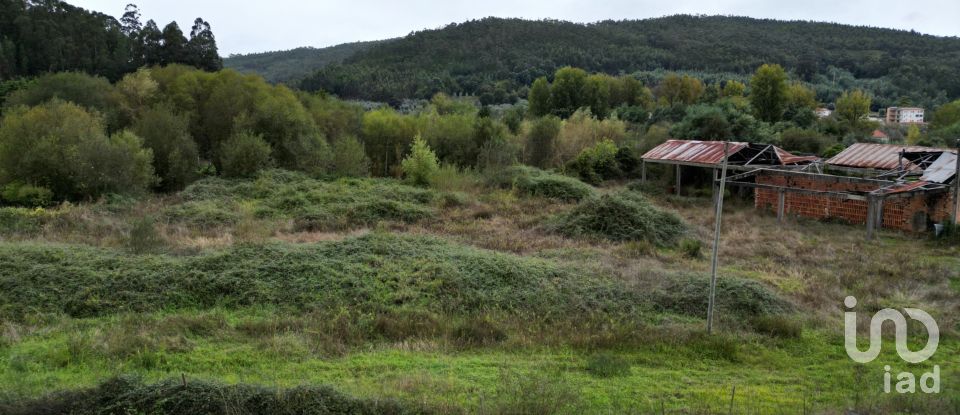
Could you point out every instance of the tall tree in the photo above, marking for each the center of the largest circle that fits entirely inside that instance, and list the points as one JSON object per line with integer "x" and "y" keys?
{"x": 174, "y": 49}
{"x": 539, "y": 98}
{"x": 768, "y": 92}
{"x": 151, "y": 43}
{"x": 130, "y": 21}
{"x": 853, "y": 106}
{"x": 567, "y": 90}
{"x": 202, "y": 47}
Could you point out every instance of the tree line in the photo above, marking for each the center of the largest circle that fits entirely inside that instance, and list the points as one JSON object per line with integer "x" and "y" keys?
{"x": 42, "y": 36}
{"x": 496, "y": 59}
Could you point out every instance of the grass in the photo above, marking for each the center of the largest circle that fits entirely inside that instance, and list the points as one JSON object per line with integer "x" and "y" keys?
{"x": 475, "y": 307}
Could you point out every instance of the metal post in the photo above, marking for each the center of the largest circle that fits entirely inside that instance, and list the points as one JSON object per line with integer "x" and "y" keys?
{"x": 956, "y": 188}
{"x": 781, "y": 205}
{"x": 716, "y": 241}
{"x": 678, "y": 180}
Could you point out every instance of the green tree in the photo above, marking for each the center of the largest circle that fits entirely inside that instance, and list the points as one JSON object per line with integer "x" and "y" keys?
{"x": 349, "y": 159}
{"x": 852, "y": 106}
{"x": 567, "y": 91}
{"x": 202, "y": 47}
{"x": 244, "y": 154}
{"x": 946, "y": 115}
{"x": 91, "y": 92}
{"x": 421, "y": 166}
{"x": 167, "y": 134}
{"x": 914, "y": 136}
{"x": 703, "y": 122}
{"x": 734, "y": 89}
{"x": 596, "y": 94}
{"x": 540, "y": 98}
{"x": 387, "y": 136}
{"x": 679, "y": 90}
{"x": 768, "y": 92}
{"x": 62, "y": 147}
{"x": 540, "y": 140}
{"x": 174, "y": 46}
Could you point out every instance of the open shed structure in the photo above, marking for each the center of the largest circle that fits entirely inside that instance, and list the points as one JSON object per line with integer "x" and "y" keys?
{"x": 742, "y": 156}
{"x": 897, "y": 187}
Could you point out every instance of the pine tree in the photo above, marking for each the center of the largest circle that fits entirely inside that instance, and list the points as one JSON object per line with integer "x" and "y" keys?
{"x": 202, "y": 47}
{"x": 174, "y": 49}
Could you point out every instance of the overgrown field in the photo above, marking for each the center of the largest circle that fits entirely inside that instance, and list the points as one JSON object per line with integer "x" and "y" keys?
{"x": 532, "y": 293}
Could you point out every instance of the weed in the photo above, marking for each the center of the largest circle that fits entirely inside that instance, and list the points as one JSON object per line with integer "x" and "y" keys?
{"x": 607, "y": 365}
{"x": 783, "y": 327}
{"x": 624, "y": 216}
{"x": 691, "y": 248}
{"x": 531, "y": 181}
{"x": 478, "y": 332}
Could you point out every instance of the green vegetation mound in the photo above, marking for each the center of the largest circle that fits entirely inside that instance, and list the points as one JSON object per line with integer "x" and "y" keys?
{"x": 688, "y": 295}
{"x": 532, "y": 181}
{"x": 377, "y": 272}
{"x": 125, "y": 395}
{"x": 312, "y": 204}
{"x": 622, "y": 216}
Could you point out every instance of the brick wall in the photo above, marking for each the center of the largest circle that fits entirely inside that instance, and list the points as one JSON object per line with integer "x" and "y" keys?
{"x": 910, "y": 214}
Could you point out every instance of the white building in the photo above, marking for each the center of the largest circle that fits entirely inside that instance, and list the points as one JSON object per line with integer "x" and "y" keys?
{"x": 823, "y": 112}
{"x": 904, "y": 115}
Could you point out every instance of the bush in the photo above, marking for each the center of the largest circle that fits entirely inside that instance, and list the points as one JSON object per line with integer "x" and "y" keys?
{"x": 19, "y": 194}
{"x": 737, "y": 297}
{"x": 175, "y": 156}
{"x": 597, "y": 163}
{"x": 531, "y": 181}
{"x": 372, "y": 274}
{"x": 691, "y": 248}
{"x": 623, "y": 216}
{"x": 421, "y": 166}
{"x": 349, "y": 158}
{"x": 244, "y": 154}
{"x": 62, "y": 147}
{"x": 131, "y": 395}
{"x": 783, "y": 327}
{"x": 607, "y": 365}
{"x": 804, "y": 141}
{"x": 950, "y": 234}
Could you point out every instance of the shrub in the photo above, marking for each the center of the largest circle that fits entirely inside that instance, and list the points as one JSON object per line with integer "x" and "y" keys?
{"x": 597, "y": 163}
{"x": 26, "y": 195}
{"x": 421, "y": 166}
{"x": 740, "y": 298}
{"x": 531, "y": 181}
{"x": 64, "y": 148}
{"x": 175, "y": 157}
{"x": 778, "y": 326}
{"x": 691, "y": 248}
{"x": 349, "y": 159}
{"x": 607, "y": 365}
{"x": 623, "y": 216}
{"x": 804, "y": 141}
{"x": 244, "y": 154}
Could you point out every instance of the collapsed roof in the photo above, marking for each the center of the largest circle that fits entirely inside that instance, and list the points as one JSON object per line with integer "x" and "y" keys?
{"x": 710, "y": 154}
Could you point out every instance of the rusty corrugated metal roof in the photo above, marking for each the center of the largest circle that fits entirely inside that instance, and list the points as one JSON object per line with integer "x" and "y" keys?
{"x": 690, "y": 151}
{"x": 787, "y": 158}
{"x": 875, "y": 156}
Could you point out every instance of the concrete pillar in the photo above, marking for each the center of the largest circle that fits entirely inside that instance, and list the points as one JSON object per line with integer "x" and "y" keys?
{"x": 781, "y": 205}
{"x": 678, "y": 179}
{"x": 643, "y": 172}
{"x": 871, "y": 217}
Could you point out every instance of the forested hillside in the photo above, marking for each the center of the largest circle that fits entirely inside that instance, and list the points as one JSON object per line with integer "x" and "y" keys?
{"x": 40, "y": 36}
{"x": 494, "y": 58}
{"x": 290, "y": 65}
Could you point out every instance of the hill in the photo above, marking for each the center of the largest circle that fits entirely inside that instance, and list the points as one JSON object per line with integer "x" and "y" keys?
{"x": 289, "y": 65}
{"x": 499, "y": 57}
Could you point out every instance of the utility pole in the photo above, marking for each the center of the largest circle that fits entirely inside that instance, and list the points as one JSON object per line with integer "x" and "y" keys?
{"x": 716, "y": 240}
{"x": 956, "y": 188}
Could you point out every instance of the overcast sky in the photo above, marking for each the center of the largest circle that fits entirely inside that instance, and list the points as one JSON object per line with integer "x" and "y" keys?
{"x": 246, "y": 26}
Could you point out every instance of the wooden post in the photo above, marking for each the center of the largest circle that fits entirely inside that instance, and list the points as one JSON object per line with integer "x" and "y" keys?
{"x": 781, "y": 205}
{"x": 716, "y": 241}
{"x": 678, "y": 180}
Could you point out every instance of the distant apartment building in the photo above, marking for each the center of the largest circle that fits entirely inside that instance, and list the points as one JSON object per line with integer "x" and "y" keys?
{"x": 904, "y": 115}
